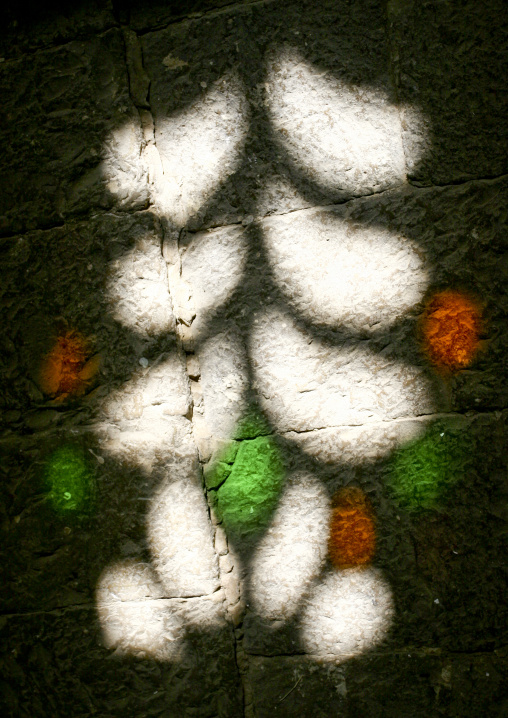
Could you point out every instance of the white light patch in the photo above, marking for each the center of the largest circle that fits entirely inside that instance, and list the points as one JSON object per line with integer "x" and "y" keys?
{"x": 224, "y": 380}
{"x": 343, "y": 273}
{"x": 124, "y": 171}
{"x": 348, "y": 613}
{"x": 133, "y": 617}
{"x": 180, "y": 539}
{"x": 417, "y": 129}
{"x": 213, "y": 265}
{"x": 347, "y": 138}
{"x": 199, "y": 148}
{"x": 137, "y": 290}
{"x": 305, "y": 384}
{"x": 293, "y": 550}
{"x": 159, "y": 389}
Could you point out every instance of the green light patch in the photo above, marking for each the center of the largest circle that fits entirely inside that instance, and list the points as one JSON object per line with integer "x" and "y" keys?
{"x": 423, "y": 471}
{"x": 249, "y": 495}
{"x": 69, "y": 480}
{"x": 252, "y": 425}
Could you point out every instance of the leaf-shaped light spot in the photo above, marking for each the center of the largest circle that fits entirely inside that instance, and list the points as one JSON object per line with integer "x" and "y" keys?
{"x": 137, "y": 289}
{"x": 213, "y": 266}
{"x": 199, "y": 148}
{"x": 69, "y": 480}
{"x": 337, "y": 272}
{"x": 352, "y": 539}
{"x": 134, "y": 618}
{"x": 421, "y": 473}
{"x": 249, "y": 496}
{"x": 306, "y": 384}
{"x": 293, "y": 550}
{"x": 347, "y": 613}
{"x": 180, "y": 538}
{"x": 451, "y": 325}
{"x": 347, "y": 139}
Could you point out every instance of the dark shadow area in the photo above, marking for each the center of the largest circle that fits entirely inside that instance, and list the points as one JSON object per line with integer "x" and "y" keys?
{"x": 63, "y": 227}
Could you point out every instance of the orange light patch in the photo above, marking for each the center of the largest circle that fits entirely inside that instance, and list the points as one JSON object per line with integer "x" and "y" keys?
{"x": 352, "y": 539}
{"x": 451, "y": 326}
{"x": 65, "y": 370}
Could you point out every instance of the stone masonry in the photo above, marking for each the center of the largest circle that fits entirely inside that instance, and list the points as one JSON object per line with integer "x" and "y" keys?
{"x": 220, "y": 225}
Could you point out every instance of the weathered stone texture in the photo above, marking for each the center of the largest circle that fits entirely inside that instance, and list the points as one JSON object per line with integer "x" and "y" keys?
{"x": 242, "y": 210}
{"x": 181, "y": 539}
{"x": 55, "y": 664}
{"x": 161, "y": 12}
{"x": 419, "y": 684}
{"x": 70, "y": 135}
{"x": 54, "y": 23}
{"x": 261, "y": 173}
{"x": 435, "y": 237}
{"x": 307, "y": 384}
{"x": 294, "y": 686}
{"x": 449, "y": 62}
{"x": 40, "y": 547}
{"x": 75, "y": 277}
{"x": 339, "y": 272}
{"x": 293, "y": 551}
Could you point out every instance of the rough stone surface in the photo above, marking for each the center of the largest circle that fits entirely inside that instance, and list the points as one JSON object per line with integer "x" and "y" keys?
{"x": 448, "y": 62}
{"x": 61, "y": 279}
{"x": 307, "y": 384}
{"x": 283, "y": 566}
{"x": 420, "y": 684}
{"x": 181, "y": 539}
{"x": 45, "y": 24}
{"x": 261, "y": 173}
{"x": 69, "y": 133}
{"x": 160, "y": 12}
{"x": 222, "y": 223}
{"x": 343, "y": 274}
{"x": 56, "y": 664}
{"x": 458, "y": 226}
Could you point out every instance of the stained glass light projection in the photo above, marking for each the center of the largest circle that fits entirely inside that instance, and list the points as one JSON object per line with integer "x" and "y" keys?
{"x": 303, "y": 556}
{"x": 248, "y": 498}
{"x": 421, "y": 473}
{"x": 68, "y": 370}
{"x": 352, "y": 539}
{"x": 451, "y": 325}
{"x": 69, "y": 480}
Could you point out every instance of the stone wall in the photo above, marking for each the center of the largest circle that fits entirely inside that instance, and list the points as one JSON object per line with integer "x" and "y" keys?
{"x": 238, "y": 479}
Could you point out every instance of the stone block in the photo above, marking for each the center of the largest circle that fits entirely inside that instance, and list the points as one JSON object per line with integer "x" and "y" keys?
{"x": 28, "y": 29}
{"x": 72, "y": 139}
{"x": 112, "y": 292}
{"x": 410, "y": 682}
{"x": 55, "y": 661}
{"x": 449, "y": 63}
{"x": 268, "y": 148}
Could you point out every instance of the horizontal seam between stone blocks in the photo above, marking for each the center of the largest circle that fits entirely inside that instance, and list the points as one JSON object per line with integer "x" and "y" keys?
{"x": 89, "y": 428}
{"x": 458, "y": 183}
{"x": 95, "y": 604}
{"x": 424, "y": 652}
{"x": 83, "y": 37}
{"x": 341, "y": 203}
{"x": 77, "y": 221}
{"x": 310, "y": 208}
{"x": 397, "y": 420}
{"x": 201, "y": 15}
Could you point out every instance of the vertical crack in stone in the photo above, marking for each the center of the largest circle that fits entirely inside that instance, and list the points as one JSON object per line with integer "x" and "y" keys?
{"x": 228, "y": 561}
{"x": 139, "y": 82}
